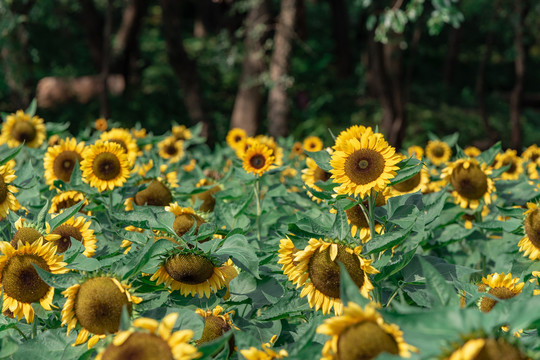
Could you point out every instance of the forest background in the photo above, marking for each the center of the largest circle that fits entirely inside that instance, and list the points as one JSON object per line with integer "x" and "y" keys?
{"x": 289, "y": 67}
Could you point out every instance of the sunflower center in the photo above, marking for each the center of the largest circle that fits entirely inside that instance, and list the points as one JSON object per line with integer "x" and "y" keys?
{"x": 438, "y": 151}
{"x": 3, "y": 190}
{"x": 513, "y": 167}
{"x": 106, "y": 166}
{"x": 155, "y": 194}
{"x": 257, "y": 161}
{"x": 532, "y": 227}
{"x": 64, "y": 163}
{"x": 171, "y": 150}
{"x": 67, "y": 203}
{"x": 183, "y": 223}
{"x": 364, "y": 166}
{"x": 356, "y": 216}
{"x": 98, "y": 305}
{"x": 365, "y": 341}
{"x": 189, "y": 269}
{"x": 325, "y": 273}
{"x": 499, "y": 292}
{"x": 26, "y": 235}
{"x": 409, "y": 184}
{"x": 140, "y": 346}
{"x": 214, "y": 327}
{"x": 120, "y": 142}
{"x": 321, "y": 175}
{"x": 498, "y": 349}
{"x": 66, "y": 232}
{"x": 237, "y": 138}
{"x": 21, "y": 280}
{"x": 471, "y": 183}
{"x": 24, "y": 131}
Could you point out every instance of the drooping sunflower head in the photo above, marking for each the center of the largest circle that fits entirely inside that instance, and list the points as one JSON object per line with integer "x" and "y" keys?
{"x": 472, "y": 151}
{"x": 66, "y": 200}
{"x": 96, "y": 304}
{"x": 155, "y": 194}
{"x": 438, "y": 152}
{"x": 207, "y": 197}
{"x": 257, "y": 159}
{"x": 21, "y": 283}
{"x": 60, "y": 160}
{"x": 416, "y": 183}
{"x": 362, "y": 334}
{"x": 8, "y": 201}
{"x": 312, "y": 143}
{"x": 20, "y": 127}
{"x": 416, "y": 152}
{"x": 181, "y": 132}
{"x": 105, "y": 166}
{"x": 530, "y": 243}
{"x": 215, "y": 324}
{"x": 486, "y": 349}
{"x": 470, "y": 182}
{"x": 311, "y": 175}
{"x": 509, "y": 157}
{"x": 500, "y": 286}
{"x": 123, "y": 138}
{"x": 184, "y": 218}
{"x": 363, "y": 165}
{"x": 171, "y": 149}
{"x": 151, "y": 340}
{"x": 77, "y": 228}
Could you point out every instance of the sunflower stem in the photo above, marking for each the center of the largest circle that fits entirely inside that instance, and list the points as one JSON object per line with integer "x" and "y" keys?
{"x": 20, "y": 332}
{"x": 257, "y": 190}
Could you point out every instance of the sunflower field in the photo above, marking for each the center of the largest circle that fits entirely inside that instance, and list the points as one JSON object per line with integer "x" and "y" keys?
{"x": 123, "y": 244}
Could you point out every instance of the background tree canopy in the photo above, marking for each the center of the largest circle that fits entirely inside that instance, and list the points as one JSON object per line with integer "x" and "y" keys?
{"x": 295, "y": 67}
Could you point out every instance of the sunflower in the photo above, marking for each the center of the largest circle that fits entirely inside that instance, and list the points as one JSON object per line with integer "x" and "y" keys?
{"x": 8, "y": 201}
{"x": 266, "y": 353}
{"x": 486, "y": 348}
{"x": 318, "y": 271}
{"x": 363, "y": 165}
{"x": 470, "y": 181}
{"x": 311, "y": 175}
{"x": 354, "y": 132}
{"x": 532, "y": 169}
{"x": 155, "y": 194}
{"x": 181, "y": 132}
{"x": 530, "y": 243}
{"x": 500, "y": 286}
{"x": 472, "y": 151}
{"x": 96, "y": 304}
{"x": 516, "y": 164}
{"x": 532, "y": 153}
{"x": 77, "y": 228}
{"x": 59, "y": 160}
{"x": 215, "y": 324}
{"x": 418, "y": 182}
{"x": 362, "y": 334}
{"x": 66, "y": 200}
{"x": 123, "y": 138}
{"x": 287, "y": 251}
{"x": 142, "y": 169}
{"x": 28, "y": 232}
{"x": 297, "y": 149}
{"x": 277, "y": 151}
{"x": 138, "y": 133}
{"x": 20, "y": 127}
{"x": 151, "y": 340}
{"x": 171, "y": 149}
{"x": 416, "y": 152}
{"x": 105, "y": 166}
{"x": 257, "y": 159}
{"x": 193, "y": 273}
{"x": 184, "y": 218}
{"x": 189, "y": 167}
{"x": 207, "y": 197}
{"x": 438, "y": 152}
{"x": 21, "y": 284}
{"x": 312, "y": 143}
{"x": 236, "y": 137}
{"x": 101, "y": 124}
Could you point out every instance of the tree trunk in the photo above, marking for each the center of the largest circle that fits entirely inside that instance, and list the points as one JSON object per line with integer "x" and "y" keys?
{"x": 184, "y": 67}
{"x": 249, "y": 99}
{"x": 278, "y": 104}
{"x": 450, "y": 62}
{"x": 93, "y": 23}
{"x": 340, "y": 31}
{"x": 105, "y": 62}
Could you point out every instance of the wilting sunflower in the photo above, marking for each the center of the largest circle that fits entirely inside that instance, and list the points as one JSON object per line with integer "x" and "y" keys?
{"x": 416, "y": 152}
{"x": 257, "y": 159}
{"x": 101, "y": 124}
{"x": 266, "y": 353}
{"x": 438, "y": 152}
{"x": 312, "y": 143}
{"x": 171, "y": 149}
{"x": 311, "y": 175}
{"x": 470, "y": 181}
{"x": 66, "y": 200}
{"x": 486, "y": 348}
{"x": 181, "y": 132}
{"x": 316, "y": 268}
{"x": 207, "y": 197}
{"x": 123, "y": 138}
{"x": 8, "y": 201}
{"x": 530, "y": 243}
{"x": 21, "y": 284}
{"x": 362, "y": 334}
{"x": 472, "y": 151}
{"x": 19, "y": 128}
{"x": 354, "y": 132}
{"x": 516, "y": 164}
{"x": 77, "y": 228}
{"x": 215, "y": 324}
{"x": 184, "y": 218}
{"x": 194, "y": 273}
{"x": 363, "y": 165}
{"x": 155, "y": 194}
{"x": 59, "y": 160}
{"x": 96, "y": 304}
{"x": 157, "y": 342}
{"x": 532, "y": 153}
{"x": 105, "y": 166}
{"x": 500, "y": 286}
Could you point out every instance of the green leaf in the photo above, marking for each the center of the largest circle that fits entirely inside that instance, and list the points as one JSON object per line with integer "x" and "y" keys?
{"x": 242, "y": 253}
{"x": 348, "y": 290}
{"x": 209, "y": 349}
{"x": 489, "y": 155}
{"x": 340, "y": 228}
{"x": 66, "y": 215}
{"x": 31, "y": 110}
{"x": 387, "y": 240}
{"x": 322, "y": 158}
{"x": 407, "y": 169}
{"x": 42, "y": 214}
{"x": 441, "y": 292}
{"x": 60, "y": 281}
{"x": 11, "y": 154}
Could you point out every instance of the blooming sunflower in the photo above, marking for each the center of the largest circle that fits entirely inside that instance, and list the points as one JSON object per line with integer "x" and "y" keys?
{"x": 530, "y": 243}
{"x": 28, "y": 232}
{"x": 311, "y": 175}
{"x": 101, "y": 124}
{"x": 193, "y": 273}
{"x": 258, "y": 159}
{"x": 470, "y": 181}
{"x": 297, "y": 149}
{"x": 96, "y": 304}
{"x": 287, "y": 251}
{"x": 157, "y": 342}
{"x": 8, "y": 201}
{"x": 312, "y": 143}
{"x": 66, "y": 200}
{"x": 138, "y": 133}
{"x": 354, "y": 132}
{"x": 181, "y": 132}
{"x": 142, "y": 169}
{"x": 189, "y": 167}
{"x": 105, "y": 166}
{"x": 266, "y": 353}
{"x": 277, "y": 151}
{"x": 59, "y": 160}
{"x": 21, "y": 284}
{"x": 20, "y": 127}
{"x": 472, "y": 151}
{"x": 123, "y": 138}
{"x": 316, "y": 268}
{"x": 500, "y": 286}
{"x": 486, "y": 348}
{"x": 362, "y": 334}
{"x": 171, "y": 149}
{"x": 184, "y": 218}
{"x": 236, "y": 137}
{"x": 516, "y": 164}
{"x": 54, "y": 140}
{"x": 416, "y": 152}
{"x": 532, "y": 153}
{"x": 363, "y": 165}
{"x": 215, "y": 324}
{"x": 533, "y": 168}
{"x": 207, "y": 197}
{"x": 77, "y": 228}
{"x": 438, "y": 152}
